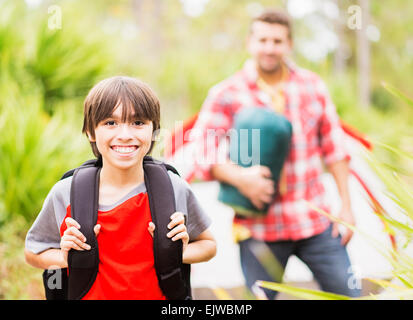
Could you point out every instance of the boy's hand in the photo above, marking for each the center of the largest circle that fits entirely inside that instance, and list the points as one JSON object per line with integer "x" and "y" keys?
{"x": 177, "y": 227}
{"x": 73, "y": 239}
{"x": 151, "y": 228}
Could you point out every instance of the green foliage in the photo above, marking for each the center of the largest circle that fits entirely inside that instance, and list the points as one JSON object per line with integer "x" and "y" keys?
{"x": 301, "y": 293}
{"x": 66, "y": 63}
{"x": 18, "y": 280}
{"x": 182, "y": 73}
{"x": 42, "y": 83}
{"x": 381, "y": 100}
{"x": 390, "y": 125}
{"x": 34, "y": 153}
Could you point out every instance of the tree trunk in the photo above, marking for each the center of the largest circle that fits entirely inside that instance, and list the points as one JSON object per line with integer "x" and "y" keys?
{"x": 363, "y": 56}
{"x": 339, "y": 63}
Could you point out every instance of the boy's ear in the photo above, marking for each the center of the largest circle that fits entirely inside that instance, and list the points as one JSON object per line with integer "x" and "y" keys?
{"x": 91, "y": 139}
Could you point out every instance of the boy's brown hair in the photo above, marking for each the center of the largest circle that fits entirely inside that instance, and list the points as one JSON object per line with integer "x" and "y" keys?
{"x": 137, "y": 99}
{"x": 274, "y": 16}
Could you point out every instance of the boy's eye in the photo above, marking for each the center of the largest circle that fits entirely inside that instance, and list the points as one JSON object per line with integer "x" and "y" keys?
{"x": 138, "y": 123}
{"x": 110, "y": 123}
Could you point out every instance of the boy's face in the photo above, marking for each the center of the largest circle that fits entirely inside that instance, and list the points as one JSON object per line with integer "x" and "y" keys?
{"x": 123, "y": 145}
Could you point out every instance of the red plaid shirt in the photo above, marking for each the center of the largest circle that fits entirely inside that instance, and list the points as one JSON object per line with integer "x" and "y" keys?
{"x": 317, "y": 136}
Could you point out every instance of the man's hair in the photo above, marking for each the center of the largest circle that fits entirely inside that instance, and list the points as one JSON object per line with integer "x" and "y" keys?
{"x": 274, "y": 16}
{"x": 138, "y": 102}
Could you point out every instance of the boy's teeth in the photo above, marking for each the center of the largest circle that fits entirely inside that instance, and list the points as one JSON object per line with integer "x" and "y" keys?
{"x": 124, "y": 149}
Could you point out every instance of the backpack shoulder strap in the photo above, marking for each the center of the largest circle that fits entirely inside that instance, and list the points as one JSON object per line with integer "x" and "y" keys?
{"x": 84, "y": 199}
{"x": 56, "y": 281}
{"x": 172, "y": 276}
{"x": 89, "y": 163}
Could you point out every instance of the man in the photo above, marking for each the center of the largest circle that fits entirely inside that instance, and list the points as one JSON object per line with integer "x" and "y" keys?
{"x": 270, "y": 80}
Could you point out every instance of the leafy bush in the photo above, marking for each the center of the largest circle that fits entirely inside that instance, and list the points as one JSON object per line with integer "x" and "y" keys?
{"x": 44, "y": 76}
{"x": 35, "y": 151}
{"x": 66, "y": 63}
{"x": 18, "y": 280}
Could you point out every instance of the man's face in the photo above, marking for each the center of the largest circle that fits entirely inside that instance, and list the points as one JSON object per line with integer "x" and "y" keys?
{"x": 268, "y": 44}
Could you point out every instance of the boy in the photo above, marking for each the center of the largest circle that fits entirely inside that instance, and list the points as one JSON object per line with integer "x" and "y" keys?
{"x": 121, "y": 115}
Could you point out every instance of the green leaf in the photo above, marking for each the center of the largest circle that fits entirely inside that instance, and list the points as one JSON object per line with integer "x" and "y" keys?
{"x": 397, "y": 93}
{"x": 302, "y": 293}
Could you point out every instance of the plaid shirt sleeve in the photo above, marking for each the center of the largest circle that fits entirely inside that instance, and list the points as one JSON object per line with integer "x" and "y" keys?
{"x": 210, "y": 132}
{"x": 332, "y": 138}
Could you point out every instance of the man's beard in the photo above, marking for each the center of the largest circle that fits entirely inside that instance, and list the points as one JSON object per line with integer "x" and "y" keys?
{"x": 276, "y": 68}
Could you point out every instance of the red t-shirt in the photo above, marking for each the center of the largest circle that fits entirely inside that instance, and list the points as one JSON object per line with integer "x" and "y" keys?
{"x": 126, "y": 266}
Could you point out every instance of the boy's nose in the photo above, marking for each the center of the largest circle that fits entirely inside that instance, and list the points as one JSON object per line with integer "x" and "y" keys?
{"x": 124, "y": 131}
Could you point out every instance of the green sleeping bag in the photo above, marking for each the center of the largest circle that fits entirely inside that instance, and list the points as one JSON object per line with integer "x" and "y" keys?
{"x": 259, "y": 137}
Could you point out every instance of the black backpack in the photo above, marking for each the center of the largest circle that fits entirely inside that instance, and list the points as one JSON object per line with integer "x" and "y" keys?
{"x": 173, "y": 275}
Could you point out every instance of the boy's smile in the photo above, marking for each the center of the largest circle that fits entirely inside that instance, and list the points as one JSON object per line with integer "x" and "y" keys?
{"x": 124, "y": 150}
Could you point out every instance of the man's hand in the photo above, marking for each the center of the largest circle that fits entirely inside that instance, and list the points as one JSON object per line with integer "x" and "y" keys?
{"x": 347, "y": 216}
{"x": 256, "y": 184}
{"x": 177, "y": 227}
{"x": 73, "y": 239}
{"x": 340, "y": 172}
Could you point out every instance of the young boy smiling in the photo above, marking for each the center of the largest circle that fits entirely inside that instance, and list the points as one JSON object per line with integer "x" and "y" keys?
{"x": 121, "y": 115}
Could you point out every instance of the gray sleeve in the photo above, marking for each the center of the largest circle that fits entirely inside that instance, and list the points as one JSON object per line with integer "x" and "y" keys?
{"x": 45, "y": 232}
{"x": 197, "y": 220}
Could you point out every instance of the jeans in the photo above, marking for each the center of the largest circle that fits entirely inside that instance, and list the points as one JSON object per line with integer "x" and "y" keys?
{"x": 325, "y": 256}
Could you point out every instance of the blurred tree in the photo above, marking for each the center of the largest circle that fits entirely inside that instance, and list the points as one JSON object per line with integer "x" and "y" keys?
{"x": 149, "y": 17}
{"x": 363, "y": 55}
{"x": 339, "y": 65}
